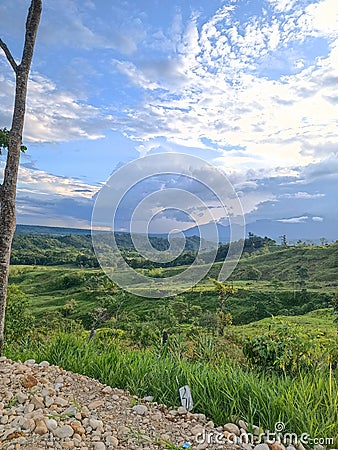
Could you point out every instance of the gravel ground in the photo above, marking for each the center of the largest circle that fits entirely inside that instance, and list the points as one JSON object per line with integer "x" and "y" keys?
{"x": 46, "y": 407}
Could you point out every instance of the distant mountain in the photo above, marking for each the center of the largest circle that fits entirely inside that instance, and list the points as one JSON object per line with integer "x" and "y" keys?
{"x": 208, "y": 232}
{"x": 305, "y": 228}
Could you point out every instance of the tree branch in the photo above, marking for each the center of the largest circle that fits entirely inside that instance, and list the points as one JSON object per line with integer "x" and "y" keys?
{"x": 32, "y": 24}
{"x": 9, "y": 55}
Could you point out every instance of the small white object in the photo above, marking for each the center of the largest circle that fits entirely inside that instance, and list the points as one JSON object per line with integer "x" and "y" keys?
{"x": 186, "y": 398}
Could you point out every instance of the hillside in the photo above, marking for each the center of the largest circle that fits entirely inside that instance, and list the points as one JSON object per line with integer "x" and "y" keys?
{"x": 288, "y": 281}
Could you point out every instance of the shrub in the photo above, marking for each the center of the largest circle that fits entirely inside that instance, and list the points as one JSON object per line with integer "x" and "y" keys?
{"x": 19, "y": 320}
{"x": 285, "y": 348}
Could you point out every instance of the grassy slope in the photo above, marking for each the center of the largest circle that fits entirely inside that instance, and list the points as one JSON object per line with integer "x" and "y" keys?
{"x": 43, "y": 285}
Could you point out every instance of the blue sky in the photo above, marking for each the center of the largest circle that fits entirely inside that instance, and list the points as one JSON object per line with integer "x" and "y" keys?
{"x": 250, "y": 86}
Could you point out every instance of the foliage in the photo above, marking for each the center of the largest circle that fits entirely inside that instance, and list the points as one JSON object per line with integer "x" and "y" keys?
{"x": 285, "y": 347}
{"x": 19, "y": 320}
{"x": 222, "y": 390}
{"x": 4, "y": 140}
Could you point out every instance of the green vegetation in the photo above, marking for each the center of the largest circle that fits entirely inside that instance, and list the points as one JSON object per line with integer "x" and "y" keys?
{"x": 224, "y": 390}
{"x": 262, "y": 347}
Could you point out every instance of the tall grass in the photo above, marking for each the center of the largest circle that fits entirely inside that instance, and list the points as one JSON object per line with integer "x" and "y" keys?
{"x": 223, "y": 391}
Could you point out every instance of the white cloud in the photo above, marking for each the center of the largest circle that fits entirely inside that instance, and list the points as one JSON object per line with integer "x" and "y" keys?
{"x": 280, "y": 123}
{"x": 52, "y": 115}
{"x": 321, "y": 18}
{"x": 38, "y": 182}
{"x": 282, "y": 5}
{"x": 302, "y": 195}
{"x": 317, "y": 219}
{"x": 301, "y": 219}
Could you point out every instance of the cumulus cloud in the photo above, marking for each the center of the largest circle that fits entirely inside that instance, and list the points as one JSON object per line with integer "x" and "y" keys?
{"x": 282, "y": 124}
{"x": 52, "y": 115}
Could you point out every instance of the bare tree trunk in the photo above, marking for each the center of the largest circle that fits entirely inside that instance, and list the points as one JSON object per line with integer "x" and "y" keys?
{"x": 8, "y": 187}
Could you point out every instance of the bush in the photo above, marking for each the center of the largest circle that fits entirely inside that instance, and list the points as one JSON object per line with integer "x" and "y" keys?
{"x": 19, "y": 321}
{"x": 284, "y": 348}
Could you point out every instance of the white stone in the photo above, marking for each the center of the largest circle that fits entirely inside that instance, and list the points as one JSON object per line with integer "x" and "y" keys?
{"x": 112, "y": 441}
{"x": 107, "y": 390}
{"x": 21, "y": 397}
{"x": 44, "y": 364}
{"x": 64, "y": 432}
{"x": 262, "y": 447}
{"x": 140, "y": 409}
{"x": 181, "y": 410}
{"x": 95, "y": 423}
{"x": 29, "y": 362}
{"x": 99, "y": 446}
{"x": 51, "y": 424}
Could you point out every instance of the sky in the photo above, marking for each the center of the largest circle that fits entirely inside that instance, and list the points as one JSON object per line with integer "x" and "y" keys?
{"x": 250, "y": 86}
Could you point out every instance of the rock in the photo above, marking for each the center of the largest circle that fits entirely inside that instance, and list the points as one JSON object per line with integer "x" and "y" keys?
{"x": 94, "y": 423}
{"x": 29, "y": 362}
{"x": 300, "y": 446}
{"x": 276, "y": 446}
{"x": 78, "y": 428}
{"x": 21, "y": 397}
{"x": 51, "y": 424}
{"x": 8, "y": 433}
{"x": 210, "y": 424}
{"x": 232, "y": 428}
{"x": 64, "y": 432}
{"x": 44, "y": 364}
{"x": 96, "y": 404}
{"x": 261, "y": 447}
{"x": 112, "y": 441}
{"x": 71, "y": 411}
{"x": 41, "y": 427}
{"x": 99, "y": 446}
{"x": 197, "y": 429}
{"x": 28, "y": 424}
{"x": 29, "y": 381}
{"x": 60, "y": 401}
{"x": 243, "y": 425}
{"x": 149, "y": 398}
{"x": 37, "y": 402}
{"x": 140, "y": 409}
{"x": 247, "y": 446}
{"x": 181, "y": 410}
{"x": 230, "y": 437}
{"x": 107, "y": 390}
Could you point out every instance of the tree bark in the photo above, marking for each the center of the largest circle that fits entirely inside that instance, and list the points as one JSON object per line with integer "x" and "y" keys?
{"x": 8, "y": 187}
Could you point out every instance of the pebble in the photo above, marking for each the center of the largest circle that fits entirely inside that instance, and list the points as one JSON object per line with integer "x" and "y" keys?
{"x": 41, "y": 427}
{"x": 63, "y": 431}
{"x": 107, "y": 390}
{"x": 262, "y": 447}
{"x": 140, "y": 409}
{"x": 233, "y": 429}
